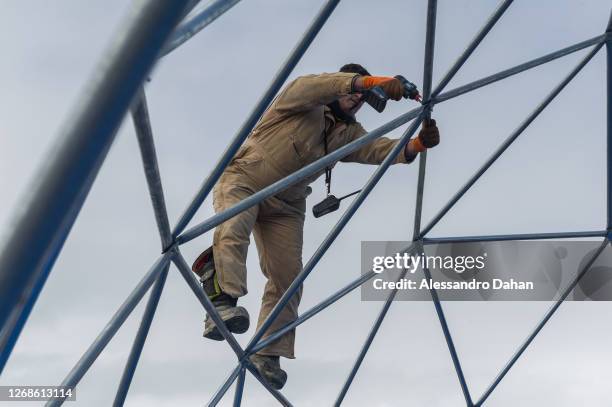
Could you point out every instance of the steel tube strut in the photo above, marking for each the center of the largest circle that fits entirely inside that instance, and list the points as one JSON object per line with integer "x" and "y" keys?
{"x": 539, "y": 327}
{"x": 111, "y": 328}
{"x": 300, "y": 174}
{"x": 277, "y": 395}
{"x": 430, "y": 39}
{"x": 449, "y": 339}
{"x": 329, "y": 239}
{"x": 313, "y": 311}
{"x": 239, "y": 388}
{"x": 609, "y": 118}
{"x": 368, "y": 342}
{"x": 319, "y": 307}
{"x": 48, "y": 212}
{"x": 472, "y": 46}
{"x": 185, "y": 271}
{"x": 192, "y": 282}
{"x": 510, "y": 140}
{"x": 224, "y": 387}
{"x": 427, "y": 76}
{"x": 523, "y": 236}
{"x": 196, "y": 22}
{"x": 141, "y": 336}
{"x": 260, "y": 107}
{"x": 144, "y": 133}
{"x": 518, "y": 69}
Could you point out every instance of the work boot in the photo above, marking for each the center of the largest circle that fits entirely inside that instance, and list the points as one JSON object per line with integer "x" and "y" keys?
{"x": 269, "y": 368}
{"x": 236, "y": 319}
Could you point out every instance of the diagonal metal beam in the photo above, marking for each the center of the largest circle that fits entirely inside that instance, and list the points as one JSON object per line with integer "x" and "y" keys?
{"x": 448, "y": 337}
{"x": 320, "y": 307}
{"x": 260, "y": 107}
{"x": 192, "y": 282}
{"x": 518, "y": 69}
{"x": 277, "y": 394}
{"x": 218, "y": 395}
{"x": 313, "y": 311}
{"x": 472, "y": 46}
{"x": 109, "y": 331}
{"x": 239, "y": 388}
{"x": 144, "y": 133}
{"x": 338, "y": 227}
{"x": 54, "y": 199}
{"x": 510, "y": 140}
{"x": 543, "y": 322}
{"x": 368, "y": 342}
{"x": 300, "y": 174}
{"x": 141, "y": 336}
{"x": 200, "y": 18}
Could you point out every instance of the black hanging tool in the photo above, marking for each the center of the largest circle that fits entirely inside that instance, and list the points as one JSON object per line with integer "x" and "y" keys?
{"x": 329, "y": 204}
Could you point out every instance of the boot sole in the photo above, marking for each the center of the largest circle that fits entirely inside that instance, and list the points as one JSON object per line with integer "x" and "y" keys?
{"x": 276, "y": 383}
{"x": 236, "y": 324}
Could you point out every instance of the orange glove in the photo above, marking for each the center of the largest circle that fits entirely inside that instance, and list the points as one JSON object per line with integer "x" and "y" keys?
{"x": 392, "y": 86}
{"x": 428, "y": 137}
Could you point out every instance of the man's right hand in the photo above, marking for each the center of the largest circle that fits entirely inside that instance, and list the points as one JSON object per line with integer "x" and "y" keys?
{"x": 392, "y": 86}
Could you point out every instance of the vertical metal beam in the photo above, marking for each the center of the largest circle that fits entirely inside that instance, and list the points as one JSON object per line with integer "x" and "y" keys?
{"x": 368, "y": 342}
{"x": 609, "y": 118}
{"x": 510, "y": 140}
{"x": 543, "y": 322}
{"x": 56, "y": 196}
{"x": 109, "y": 331}
{"x": 256, "y": 113}
{"x": 430, "y": 39}
{"x": 239, "y": 388}
{"x": 338, "y": 227}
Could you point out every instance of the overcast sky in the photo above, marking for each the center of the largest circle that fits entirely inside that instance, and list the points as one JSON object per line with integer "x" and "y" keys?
{"x": 551, "y": 179}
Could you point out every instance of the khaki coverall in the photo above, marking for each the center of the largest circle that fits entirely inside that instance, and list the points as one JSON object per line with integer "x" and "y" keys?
{"x": 289, "y": 136}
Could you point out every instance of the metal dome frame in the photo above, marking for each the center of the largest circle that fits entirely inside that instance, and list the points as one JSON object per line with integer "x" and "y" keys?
{"x": 42, "y": 224}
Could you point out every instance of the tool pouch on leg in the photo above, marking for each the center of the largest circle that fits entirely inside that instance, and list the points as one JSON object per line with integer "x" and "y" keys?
{"x": 204, "y": 267}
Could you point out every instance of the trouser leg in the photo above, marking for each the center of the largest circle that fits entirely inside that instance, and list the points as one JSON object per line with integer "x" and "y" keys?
{"x": 278, "y": 235}
{"x": 231, "y": 238}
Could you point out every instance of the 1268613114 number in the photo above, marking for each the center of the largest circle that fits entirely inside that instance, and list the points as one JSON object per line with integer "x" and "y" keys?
{"x": 37, "y": 393}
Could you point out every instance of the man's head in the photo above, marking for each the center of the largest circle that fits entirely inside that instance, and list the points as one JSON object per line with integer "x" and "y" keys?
{"x": 350, "y": 104}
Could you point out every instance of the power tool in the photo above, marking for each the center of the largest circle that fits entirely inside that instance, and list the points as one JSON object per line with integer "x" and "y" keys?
{"x": 377, "y": 98}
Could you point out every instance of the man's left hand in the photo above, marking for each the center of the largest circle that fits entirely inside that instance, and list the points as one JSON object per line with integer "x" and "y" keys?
{"x": 428, "y": 137}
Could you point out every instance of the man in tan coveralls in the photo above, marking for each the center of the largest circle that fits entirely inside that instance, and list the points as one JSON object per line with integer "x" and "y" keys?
{"x": 308, "y": 113}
